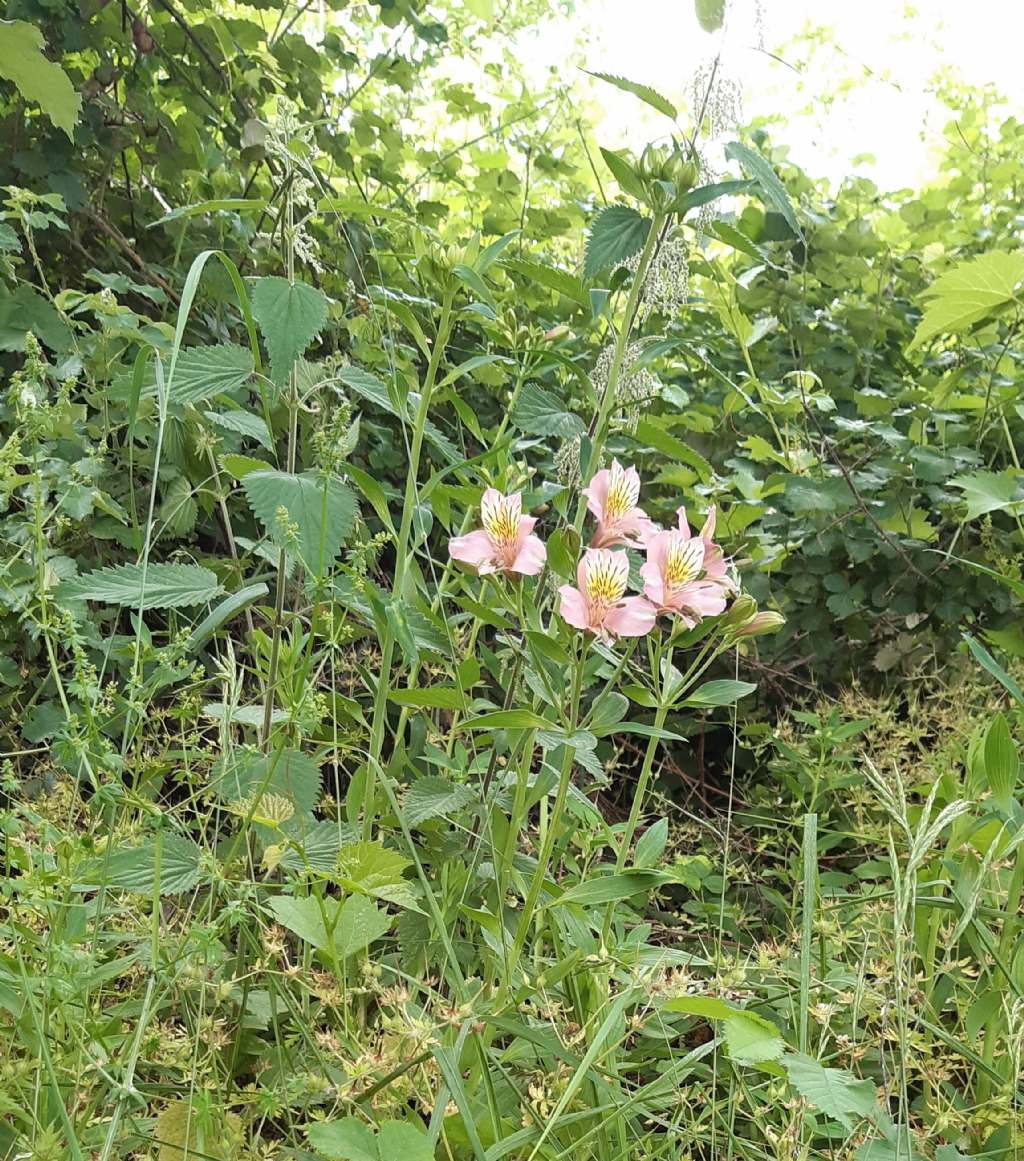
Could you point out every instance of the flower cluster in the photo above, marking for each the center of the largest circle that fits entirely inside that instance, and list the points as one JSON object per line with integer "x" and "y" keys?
{"x": 684, "y": 575}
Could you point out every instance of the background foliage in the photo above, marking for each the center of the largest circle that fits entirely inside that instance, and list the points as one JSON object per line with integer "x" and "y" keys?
{"x": 205, "y": 947}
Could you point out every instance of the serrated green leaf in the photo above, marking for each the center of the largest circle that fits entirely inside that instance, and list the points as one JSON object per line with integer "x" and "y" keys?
{"x": 290, "y": 315}
{"x": 200, "y": 373}
{"x": 990, "y": 491}
{"x": 540, "y": 412}
{"x": 772, "y": 189}
{"x": 135, "y": 869}
{"x": 376, "y": 870}
{"x": 38, "y": 79}
{"x": 160, "y": 586}
{"x": 751, "y": 1039}
{"x": 969, "y": 293}
{"x": 646, "y": 94}
{"x": 245, "y": 773}
{"x": 616, "y": 234}
{"x": 434, "y": 797}
{"x": 322, "y": 509}
{"x": 243, "y": 423}
{"x": 833, "y": 1091}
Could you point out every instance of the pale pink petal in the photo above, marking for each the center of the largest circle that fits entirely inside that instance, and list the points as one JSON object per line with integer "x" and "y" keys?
{"x": 684, "y": 524}
{"x": 573, "y": 608}
{"x": 654, "y": 587}
{"x": 632, "y": 617}
{"x": 596, "y": 493}
{"x": 475, "y": 549}
{"x": 530, "y": 558}
{"x": 705, "y": 598}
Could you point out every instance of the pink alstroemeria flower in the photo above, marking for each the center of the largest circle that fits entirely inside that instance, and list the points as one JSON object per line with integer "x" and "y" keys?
{"x": 505, "y": 543}
{"x": 686, "y": 574}
{"x": 599, "y": 605}
{"x": 612, "y": 497}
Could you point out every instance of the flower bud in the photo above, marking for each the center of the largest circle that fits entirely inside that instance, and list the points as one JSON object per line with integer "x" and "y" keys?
{"x": 740, "y": 612}
{"x": 761, "y": 624}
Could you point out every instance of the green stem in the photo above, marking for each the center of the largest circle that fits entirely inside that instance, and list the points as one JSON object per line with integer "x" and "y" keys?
{"x": 380, "y": 700}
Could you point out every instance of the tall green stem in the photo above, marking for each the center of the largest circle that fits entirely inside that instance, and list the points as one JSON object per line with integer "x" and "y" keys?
{"x": 380, "y": 700}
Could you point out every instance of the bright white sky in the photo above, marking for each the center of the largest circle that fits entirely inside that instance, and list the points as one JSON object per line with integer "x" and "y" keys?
{"x": 864, "y": 93}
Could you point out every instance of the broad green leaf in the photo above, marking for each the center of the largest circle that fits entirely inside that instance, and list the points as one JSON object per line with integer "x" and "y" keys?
{"x": 38, "y": 79}
{"x": 540, "y": 412}
{"x": 240, "y": 466}
{"x": 245, "y": 773}
{"x": 434, "y": 797}
{"x": 290, "y": 315}
{"x": 833, "y": 1091}
{"x": 321, "y": 509}
{"x": 243, "y": 423}
{"x": 990, "y": 491}
{"x": 772, "y": 189}
{"x": 751, "y": 1039}
{"x": 616, "y": 234}
{"x": 989, "y": 663}
{"x": 200, "y": 373}
{"x": 135, "y": 869}
{"x": 721, "y": 692}
{"x": 370, "y": 388}
{"x": 350, "y": 927}
{"x": 970, "y": 292}
{"x": 402, "y": 1141}
{"x": 646, "y": 94}
{"x": 160, "y": 586}
{"x": 346, "y": 1140}
{"x": 376, "y": 870}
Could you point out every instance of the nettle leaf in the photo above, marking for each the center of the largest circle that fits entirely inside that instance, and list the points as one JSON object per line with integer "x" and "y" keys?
{"x": 35, "y": 77}
{"x": 243, "y": 423}
{"x": 290, "y": 773}
{"x": 772, "y": 189}
{"x": 833, "y": 1091}
{"x": 290, "y": 315}
{"x": 540, "y": 412}
{"x": 160, "y": 586}
{"x": 990, "y": 491}
{"x": 616, "y": 234}
{"x": 135, "y": 869}
{"x": 434, "y": 797}
{"x": 969, "y": 293}
{"x": 202, "y": 372}
{"x": 322, "y": 509}
{"x": 646, "y": 94}
{"x": 710, "y": 14}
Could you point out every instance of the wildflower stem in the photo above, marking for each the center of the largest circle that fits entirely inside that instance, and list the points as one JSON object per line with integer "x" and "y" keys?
{"x": 380, "y": 700}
